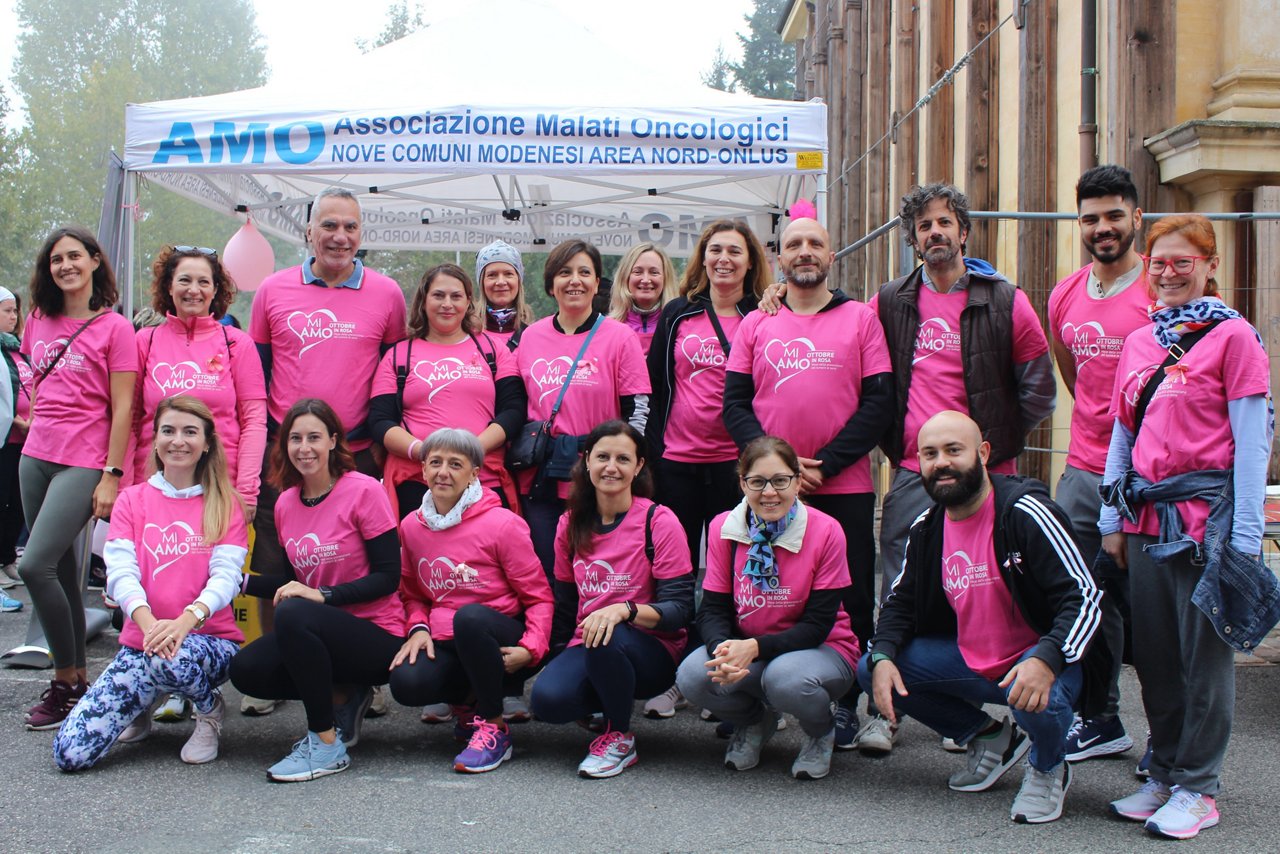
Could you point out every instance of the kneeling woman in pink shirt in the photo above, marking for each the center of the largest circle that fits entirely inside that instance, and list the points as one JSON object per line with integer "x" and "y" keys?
{"x": 478, "y": 603}
{"x": 623, "y": 595}
{"x": 338, "y": 621}
{"x": 777, "y": 636}
{"x": 174, "y": 553}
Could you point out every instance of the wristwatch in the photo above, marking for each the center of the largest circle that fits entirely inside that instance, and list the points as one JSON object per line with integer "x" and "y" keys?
{"x": 118, "y": 472}
{"x": 327, "y": 593}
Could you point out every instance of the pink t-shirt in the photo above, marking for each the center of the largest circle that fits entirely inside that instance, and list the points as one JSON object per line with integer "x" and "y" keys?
{"x": 644, "y": 326}
{"x": 612, "y": 367}
{"x": 487, "y": 558}
{"x": 1093, "y": 330}
{"x": 1186, "y": 427}
{"x": 695, "y": 425}
{"x": 447, "y": 385}
{"x": 325, "y": 544}
{"x": 500, "y": 339}
{"x": 937, "y": 370}
{"x": 73, "y": 403}
{"x": 22, "y": 405}
{"x": 615, "y": 568}
{"x": 194, "y": 357}
{"x": 174, "y": 559}
{"x": 326, "y": 342}
{"x": 820, "y": 564}
{"x": 992, "y": 633}
{"x": 808, "y": 372}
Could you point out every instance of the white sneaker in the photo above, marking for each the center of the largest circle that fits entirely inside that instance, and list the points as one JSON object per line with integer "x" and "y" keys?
{"x": 171, "y": 710}
{"x": 256, "y": 707}
{"x": 380, "y": 705}
{"x": 202, "y": 746}
{"x": 665, "y": 704}
{"x": 136, "y": 731}
{"x": 515, "y": 710}
{"x": 9, "y": 576}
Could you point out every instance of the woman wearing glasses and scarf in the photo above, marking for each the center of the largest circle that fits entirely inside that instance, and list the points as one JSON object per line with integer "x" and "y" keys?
{"x": 1184, "y": 486}
{"x": 777, "y": 637}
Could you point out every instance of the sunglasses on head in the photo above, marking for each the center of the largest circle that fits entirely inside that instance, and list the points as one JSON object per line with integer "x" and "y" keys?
{"x": 203, "y": 250}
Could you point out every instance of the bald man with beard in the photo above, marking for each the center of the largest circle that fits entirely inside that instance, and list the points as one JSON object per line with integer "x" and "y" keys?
{"x": 994, "y": 604}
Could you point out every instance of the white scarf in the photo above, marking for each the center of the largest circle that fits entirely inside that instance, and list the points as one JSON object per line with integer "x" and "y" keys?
{"x": 440, "y": 522}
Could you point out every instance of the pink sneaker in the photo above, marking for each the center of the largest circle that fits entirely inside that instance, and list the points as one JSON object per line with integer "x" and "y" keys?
{"x": 489, "y": 747}
{"x": 1186, "y": 814}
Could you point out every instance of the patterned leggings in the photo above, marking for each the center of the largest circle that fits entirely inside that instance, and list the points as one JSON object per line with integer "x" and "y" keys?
{"x": 129, "y": 686}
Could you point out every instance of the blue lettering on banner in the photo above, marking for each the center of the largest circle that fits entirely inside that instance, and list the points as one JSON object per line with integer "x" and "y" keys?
{"x": 228, "y": 144}
{"x": 224, "y": 133}
{"x": 284, "y": 144}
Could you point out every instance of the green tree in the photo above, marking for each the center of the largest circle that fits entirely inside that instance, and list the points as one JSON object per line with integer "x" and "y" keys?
{"x": 768, "y": 65}
{"x": 18, "y": 227}
{"x": 401, "y": 21}
{"x": 78, "y": 65}
{"x": 720, "y": 75}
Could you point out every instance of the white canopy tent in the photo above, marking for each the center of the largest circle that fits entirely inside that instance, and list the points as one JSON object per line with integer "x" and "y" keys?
{"x": 530, "y": 130}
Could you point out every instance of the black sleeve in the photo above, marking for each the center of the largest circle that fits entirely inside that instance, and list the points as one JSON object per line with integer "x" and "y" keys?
{"x": 635, "y": 410}
{"x": 715, "y": 619}
{"x": 864, "y": 428}
{"x": 673, "y": 600}
{"x": 897, "y": 623}
{"x": 384, "y": 572}
{"x": 564, "y": 617}
{"x": 384, "y": 413}
{"x": 264, "y": 353}
{"x": 739, "y": 417}
{"x": 265, "y": 586}
{"x": 656, "y": 361}
{"x": 809, "y": 631}
{"x": 510, "y": 404}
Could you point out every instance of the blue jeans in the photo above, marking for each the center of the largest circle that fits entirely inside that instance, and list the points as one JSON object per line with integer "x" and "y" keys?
{"x": 579, "y": 682}
{"x": 946, "y": 696}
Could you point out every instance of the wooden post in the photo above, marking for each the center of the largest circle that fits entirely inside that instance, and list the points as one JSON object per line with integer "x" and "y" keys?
{"x": 1036, "y": 180}
{"x": 1267, "y": 257}
{"x": 841, "y": 115}
{"x": 940, "y": 146}
{"x": 906, "y": 85}
{"x": 879, "y": 114}
{"x": 983, "y": 126}
{"x": 1142, "y": 52}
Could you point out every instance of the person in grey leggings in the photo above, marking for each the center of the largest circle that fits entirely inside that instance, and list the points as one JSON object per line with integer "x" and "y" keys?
{"x": 84, "y": 357}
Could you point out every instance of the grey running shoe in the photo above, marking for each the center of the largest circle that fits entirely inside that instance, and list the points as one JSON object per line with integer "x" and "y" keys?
{"x": 877, "y": 737}
{"x": 349, "y": 717}
{"x": 814, "y": 761}
{"x": 1042, "y": 794}
{"x": 747, "y": 742}
{"x": 987, "y": 758}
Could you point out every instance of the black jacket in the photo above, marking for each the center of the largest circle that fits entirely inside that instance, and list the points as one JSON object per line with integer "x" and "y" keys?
{"x": 1038, "y": 560}
{"x": 662, "y": 364}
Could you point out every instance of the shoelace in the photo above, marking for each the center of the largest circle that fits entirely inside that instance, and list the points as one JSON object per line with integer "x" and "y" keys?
{"x": 1181, "y": 799}
{"x": 1077, "y": 724}
{"x": 483, "y": 734}
{"x": 601, "y": 745}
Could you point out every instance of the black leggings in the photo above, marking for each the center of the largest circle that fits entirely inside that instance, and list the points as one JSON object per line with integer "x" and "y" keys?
{"x": 11, "y": 520}
{"x": 697, "y": 493}
{"x": 314, "y": 647}
{"x": 469, "y": 664}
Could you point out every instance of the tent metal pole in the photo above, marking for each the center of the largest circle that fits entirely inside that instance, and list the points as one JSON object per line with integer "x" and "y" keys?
{"x": 127, "y": 239}
{"x": 820, "y": 200}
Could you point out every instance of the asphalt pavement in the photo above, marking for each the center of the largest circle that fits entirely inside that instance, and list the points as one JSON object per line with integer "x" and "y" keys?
{"x": 401, "y": 793}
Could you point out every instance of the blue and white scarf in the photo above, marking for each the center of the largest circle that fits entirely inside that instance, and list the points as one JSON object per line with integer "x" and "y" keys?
{"x": 762, "y": 565}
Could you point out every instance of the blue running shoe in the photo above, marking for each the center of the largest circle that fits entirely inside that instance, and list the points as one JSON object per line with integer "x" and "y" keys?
{"x": 310, "y": 759}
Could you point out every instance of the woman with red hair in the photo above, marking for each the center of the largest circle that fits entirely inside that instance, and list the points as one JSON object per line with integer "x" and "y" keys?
{"x": 1184, "y": 486}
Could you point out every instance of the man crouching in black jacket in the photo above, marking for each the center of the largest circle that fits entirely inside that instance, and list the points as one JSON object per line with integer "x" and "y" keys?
{"x": 993, "y": 605}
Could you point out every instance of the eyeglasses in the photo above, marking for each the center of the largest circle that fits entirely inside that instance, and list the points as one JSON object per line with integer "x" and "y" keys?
{"x": 203, "y": 250}
{"x": 779, "y": 482}
{"x": 1183, "y": 265}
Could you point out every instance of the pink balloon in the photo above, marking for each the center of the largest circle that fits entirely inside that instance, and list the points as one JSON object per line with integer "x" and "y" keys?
{"x": 248, "y": 257}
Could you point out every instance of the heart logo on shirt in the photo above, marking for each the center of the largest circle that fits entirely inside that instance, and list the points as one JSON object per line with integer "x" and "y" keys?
{"x": 788, "y": 358}
{"x": 955, "y": 573}
{"x": 1082, "y": 340}
{"x": 594, "y": 581}
{"x": 439, "y": 375}
{"x": 175, "y": 378}
{"x": 748, "y": 599}
{"x": 300, "y": 556}
{"x": 549, "y": 374}
{"x": 441, "y": 575}
{"x": 934, "y": 336}
{"x": 44, "y": 353}
{"x": 172, "y": 541}
{"x": 703, "y": 353}
{"x": 1135, "y": 382}
{"x": 312, "y": 329}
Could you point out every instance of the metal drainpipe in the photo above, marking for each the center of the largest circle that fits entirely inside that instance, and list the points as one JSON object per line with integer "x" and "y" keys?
{"x": 1088, "y": 84}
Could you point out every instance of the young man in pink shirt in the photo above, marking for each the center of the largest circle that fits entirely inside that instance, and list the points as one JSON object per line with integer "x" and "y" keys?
{"x": 817, "y": 374}
{"x": 321, "y": 329}
{"x": 994, "y": 604}
{"x": 1091, "y": 312}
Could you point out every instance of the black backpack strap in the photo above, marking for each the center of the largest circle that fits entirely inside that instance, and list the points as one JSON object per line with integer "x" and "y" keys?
{"x": 490, "y": 358}
{"x": 648, "y": 533}
{"x": 402, "y": 375}
{"x": 715, "y": 323}
{"x": 1176, "y": 352}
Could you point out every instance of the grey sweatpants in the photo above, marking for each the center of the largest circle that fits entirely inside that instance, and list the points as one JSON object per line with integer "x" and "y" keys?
{"x": 905, "y": 500}
{"x": 803, "y": 683}
{"x": 1077, "y": 495}
{"x": 57, "y": 502}
{"x": 1187, "y": 673}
